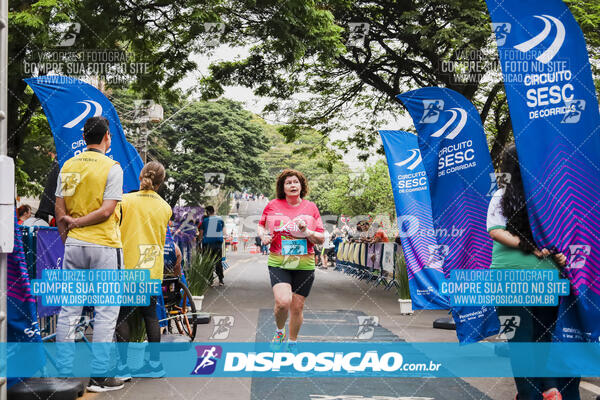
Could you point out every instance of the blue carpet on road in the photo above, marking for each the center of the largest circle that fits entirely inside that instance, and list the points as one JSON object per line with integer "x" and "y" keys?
{"x": 351, "y": 325}
{"x": 329, "y": 326}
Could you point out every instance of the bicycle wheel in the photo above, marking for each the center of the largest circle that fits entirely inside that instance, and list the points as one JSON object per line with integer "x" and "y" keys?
{"x": 171, "y": 325}
{"x": 187, "y": 321}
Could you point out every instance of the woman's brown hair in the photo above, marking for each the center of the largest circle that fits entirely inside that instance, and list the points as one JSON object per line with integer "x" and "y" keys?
{"x": 22, "y": 210}
{"x": 287, "y": 173}
{"x": 152, "y": 176}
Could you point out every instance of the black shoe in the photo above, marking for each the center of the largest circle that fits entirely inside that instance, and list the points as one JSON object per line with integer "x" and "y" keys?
{"x": 122, "y": 372}
{"x": 149, "y": 372}
{"x": 98, "y": 385}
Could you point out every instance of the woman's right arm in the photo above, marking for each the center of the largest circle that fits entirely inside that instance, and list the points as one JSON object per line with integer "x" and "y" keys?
{"x": 263, "y": 232}
{"x": 265, "y": 237}
{"x": 504, "y": 237}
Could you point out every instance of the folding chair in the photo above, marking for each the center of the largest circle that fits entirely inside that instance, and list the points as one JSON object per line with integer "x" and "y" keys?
{"x": 388, "y": 262}
{"x": 339, "y": 259}
{"x": 377, "y": 252}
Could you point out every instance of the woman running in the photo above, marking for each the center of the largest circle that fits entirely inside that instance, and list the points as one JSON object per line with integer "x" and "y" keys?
{"x": 291, "y": 226}
{"x": 514, "y": 248}
{"x": 145, "y": 216}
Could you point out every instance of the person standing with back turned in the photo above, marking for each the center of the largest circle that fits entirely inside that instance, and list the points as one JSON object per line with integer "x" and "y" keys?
{"x": 211, "y": 233}
{"x": 88, "y": 189}
{"x": 145, "y": 217}
{"x": 514, "y": 248}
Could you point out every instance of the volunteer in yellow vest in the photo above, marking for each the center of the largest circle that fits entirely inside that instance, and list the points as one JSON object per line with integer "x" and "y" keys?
{"x": 88, "y": 189}
{"x": 145, "y": 217}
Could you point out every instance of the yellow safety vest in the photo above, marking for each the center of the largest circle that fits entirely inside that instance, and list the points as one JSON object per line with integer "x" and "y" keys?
{"x": 83, "y": 180}
{"x": 145, "y": 216}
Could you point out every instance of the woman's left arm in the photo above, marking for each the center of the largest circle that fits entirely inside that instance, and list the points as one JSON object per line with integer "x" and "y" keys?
{"x": 314, "y": 236}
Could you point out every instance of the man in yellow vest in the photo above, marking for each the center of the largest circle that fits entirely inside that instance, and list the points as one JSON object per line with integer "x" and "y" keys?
{"x": 88, "y": 189}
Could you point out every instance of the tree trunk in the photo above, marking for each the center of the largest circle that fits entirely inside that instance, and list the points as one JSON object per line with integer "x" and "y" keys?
{"x": 16, "y": 122}
{"x": 500, "y": 141}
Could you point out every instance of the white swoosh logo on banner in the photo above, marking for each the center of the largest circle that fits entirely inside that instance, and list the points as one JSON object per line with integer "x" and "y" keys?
{"x": 551, "y": 51}
{"x": 531, "y": 43}
{"x": 442, "y": 130}
{"x": 414, "y": 153}
{"x": 88, "y": 108}
{"x": 461, "y": 124}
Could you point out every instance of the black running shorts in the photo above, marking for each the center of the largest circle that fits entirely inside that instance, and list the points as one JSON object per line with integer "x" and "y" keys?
{"x": 300, "y": 280}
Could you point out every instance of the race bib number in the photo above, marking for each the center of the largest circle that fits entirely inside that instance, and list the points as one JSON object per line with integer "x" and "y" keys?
{"x": 294, "y": 247}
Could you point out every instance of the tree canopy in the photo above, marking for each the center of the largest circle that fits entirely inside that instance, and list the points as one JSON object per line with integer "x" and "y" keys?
{"x": 309, "y": 48}
{"x": 204, "y": 139}
{"x": 309, "y": 57}
{"x": 161, "y": 34}
{"x": 361, "y": 193}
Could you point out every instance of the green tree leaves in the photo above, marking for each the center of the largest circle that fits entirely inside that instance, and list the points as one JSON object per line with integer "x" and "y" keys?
{"x": 211, "y": 138}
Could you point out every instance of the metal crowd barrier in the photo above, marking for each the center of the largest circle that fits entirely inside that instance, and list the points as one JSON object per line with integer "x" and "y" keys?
{"x": 47, "y": 323}
{"x": 373, "y": 262}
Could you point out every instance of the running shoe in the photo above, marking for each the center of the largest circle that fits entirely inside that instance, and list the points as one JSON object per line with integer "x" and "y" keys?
{"x": 292, "y": 347}
{"x": 147, "y": 371}
{"x": 552, "y": 394}
{"x": 278, "y": 340}
{"x": 123, "y": 373}
{"x": 98, "y": 385}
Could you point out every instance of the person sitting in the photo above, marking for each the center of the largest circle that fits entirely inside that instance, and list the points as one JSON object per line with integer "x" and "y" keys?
{"x": 23, "y": 213}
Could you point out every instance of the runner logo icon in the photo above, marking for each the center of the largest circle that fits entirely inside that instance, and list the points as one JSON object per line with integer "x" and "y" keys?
{"x": 415, "y": 156}
{"x": 432, "y": 110}
{"x": 535, "y": 41}
{"x": 212, "y": 183}
{"x": 148, "y": 255}
{"x": 88, "y": 109}
{"x": 579, "y": 255}
{"x": 437, "y": 255}
{"x": 222, "y": 327}
{"x": 498, "y": 181}
{"x": 213, "y": 32}
{"x": 69, "y": 182}
{"x": 207, "y": 359}
{"x": 366, "y": 326}
{"x": 358, "y": 32}
{"x": 67, "y": 32}
{"x": 508, "y": 325}
{"x": 501, "y": 30}
{"x": 574, "y": 110}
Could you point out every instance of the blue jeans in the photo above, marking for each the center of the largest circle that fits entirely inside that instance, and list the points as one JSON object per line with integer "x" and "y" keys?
{"x": 105, "y": 317}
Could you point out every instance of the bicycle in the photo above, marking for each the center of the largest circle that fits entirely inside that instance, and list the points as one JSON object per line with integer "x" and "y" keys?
{"x": 180, "y": 308}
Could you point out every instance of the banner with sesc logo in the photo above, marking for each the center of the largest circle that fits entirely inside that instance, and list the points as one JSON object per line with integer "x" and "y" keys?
{"x": 458, "y": 167}
{"x": 415, "y": 225}
{"x": 554, "y": 112}
{"x": 68, "y": 103}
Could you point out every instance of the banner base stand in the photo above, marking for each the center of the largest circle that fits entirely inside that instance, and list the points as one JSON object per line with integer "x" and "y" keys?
{"x": 444, "y": 323}
{"x": 48, "y": 388}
